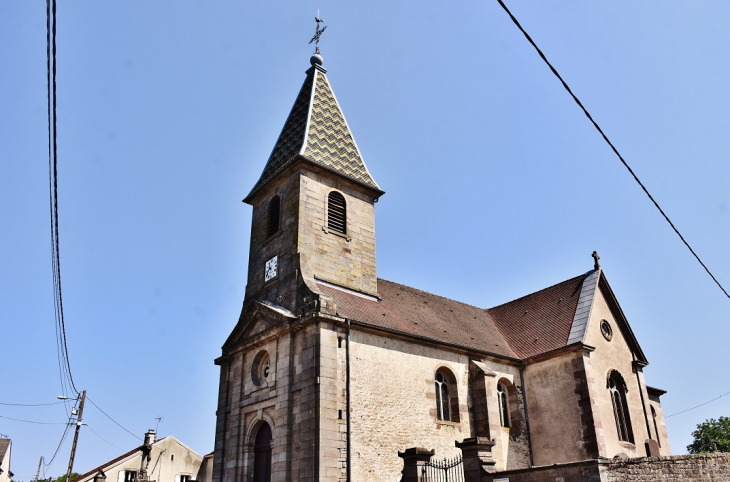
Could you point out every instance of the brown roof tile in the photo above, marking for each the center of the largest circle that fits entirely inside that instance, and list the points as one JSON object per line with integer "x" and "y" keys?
{"x": 534, "y": 324}
{"x": 415, "y": 312}
{"x": 539, "y": 322}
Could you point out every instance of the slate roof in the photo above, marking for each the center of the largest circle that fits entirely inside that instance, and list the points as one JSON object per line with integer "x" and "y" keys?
{"x": 316, "y": 131}
{"x": 537, "y": 323}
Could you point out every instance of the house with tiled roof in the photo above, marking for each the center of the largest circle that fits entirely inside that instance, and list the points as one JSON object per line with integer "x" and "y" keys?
{"x": 332, "y": 373}
{"x": 160, "y": 460}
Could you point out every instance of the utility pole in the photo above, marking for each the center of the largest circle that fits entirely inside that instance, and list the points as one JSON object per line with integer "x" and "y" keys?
{"x": 76, "y": 437}
{"x": 38, "y": 472}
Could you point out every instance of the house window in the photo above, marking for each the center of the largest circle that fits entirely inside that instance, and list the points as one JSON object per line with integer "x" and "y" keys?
{"x": 617, "y": 389}
{"x": 130, "y": 475}
{"x": 503, "y": 403}
{"x": 336, "y": 213}
{"x": 656, "y": 427}
{"x": 274, "y": 216}
{"x": 184, "y": 478}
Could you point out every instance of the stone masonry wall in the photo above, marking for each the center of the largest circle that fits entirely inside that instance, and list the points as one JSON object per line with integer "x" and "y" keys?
{"x": 348, "y": 261}
{"x": 687, "y": 468}
{"x": 684, "y": 468}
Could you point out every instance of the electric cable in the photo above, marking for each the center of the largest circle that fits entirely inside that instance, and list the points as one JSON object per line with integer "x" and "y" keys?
{"x": 698, "y": 406}
{"x": 30, "y": 404}
{"x": 109, "y": 417}
{"x": 32, "y": 421}
{"x": 605, "y": 138}
{"x": 105, "y": 440}
{"x": 63, "y": 437}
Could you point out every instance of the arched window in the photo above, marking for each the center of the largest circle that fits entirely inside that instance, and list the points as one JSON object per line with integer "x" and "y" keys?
{"x": 617, "y": 389}
{"x": 447, "y": 400}
{"x": 503, "y": 405}
{"x": 262, "y": 454}
{"x": 336, "y": 213}
{"x": 443, "y": 402}
{"x": 656, "y": 427}
{"x": 274, "y": 216}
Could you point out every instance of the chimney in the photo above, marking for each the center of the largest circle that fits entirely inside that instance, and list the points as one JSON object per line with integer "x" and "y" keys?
{"x": 149, "y": 437}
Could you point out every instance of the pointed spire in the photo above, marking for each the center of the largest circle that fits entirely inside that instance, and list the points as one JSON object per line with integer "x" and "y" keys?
{"x": 316, "y": 132}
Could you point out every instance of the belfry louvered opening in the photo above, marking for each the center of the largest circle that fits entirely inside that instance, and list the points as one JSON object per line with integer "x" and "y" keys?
{"x": 274, "y": 216}
{"x": 336, "y": 213}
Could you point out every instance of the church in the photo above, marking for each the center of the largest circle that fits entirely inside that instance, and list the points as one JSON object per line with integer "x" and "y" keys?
{"x": 331, "y": 372}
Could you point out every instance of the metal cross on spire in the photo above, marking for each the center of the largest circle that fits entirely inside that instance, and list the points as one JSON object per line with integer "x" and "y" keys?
{"x": 318, "y": 33}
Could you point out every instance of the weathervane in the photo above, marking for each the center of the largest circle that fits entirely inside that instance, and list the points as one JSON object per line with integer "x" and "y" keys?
{"x": 318, "y": 33}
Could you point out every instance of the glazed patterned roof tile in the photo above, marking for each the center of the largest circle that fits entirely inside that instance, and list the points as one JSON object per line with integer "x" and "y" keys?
{"x": 316, "y": 130}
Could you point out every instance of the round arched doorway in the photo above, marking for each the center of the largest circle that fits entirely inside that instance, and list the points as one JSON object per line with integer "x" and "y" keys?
{"x": 262, "y": 454}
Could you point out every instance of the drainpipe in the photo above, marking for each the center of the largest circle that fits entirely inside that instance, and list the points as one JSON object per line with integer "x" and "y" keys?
{"x": 641, "y": 394}
{"x": 347, "y": 391}
{"x": 527, "y": 416}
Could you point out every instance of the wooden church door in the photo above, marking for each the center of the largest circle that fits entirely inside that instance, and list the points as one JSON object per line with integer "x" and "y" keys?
{"x": 262, "y": 454}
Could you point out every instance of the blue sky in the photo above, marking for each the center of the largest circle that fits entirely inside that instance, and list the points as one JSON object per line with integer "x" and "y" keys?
{"x": 496, "y": 183}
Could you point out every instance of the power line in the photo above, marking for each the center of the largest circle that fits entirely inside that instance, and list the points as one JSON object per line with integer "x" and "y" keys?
{"x": 105, "y": 440}
{"x": 605, "y": 137}
{"x": 698, "y": 406}
{"x": 109, "y": 417}
{"x": 63, "y": 437}
{"x": 62, "y": 346}
{"x": 30, "y": 404}
{"x": 32, "y": 421}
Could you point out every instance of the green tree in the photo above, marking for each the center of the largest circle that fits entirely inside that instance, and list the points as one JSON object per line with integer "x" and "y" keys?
{"x": 74, "y": 475}
{"x": 711, "y": 436}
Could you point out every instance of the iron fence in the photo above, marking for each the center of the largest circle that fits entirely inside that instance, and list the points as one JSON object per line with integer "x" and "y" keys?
{"x": 446, "y": 470}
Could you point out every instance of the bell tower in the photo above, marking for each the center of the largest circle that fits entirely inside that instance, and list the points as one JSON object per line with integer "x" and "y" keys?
{"x": 313, "y": 206}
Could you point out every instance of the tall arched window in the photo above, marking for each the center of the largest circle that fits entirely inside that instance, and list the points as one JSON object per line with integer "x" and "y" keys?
{"x": 447, "y": 396}
{"x": 274, "y": 216}
{"x": 336, "y": 213}
{"x": 262, "y": 454}
{"x": 503, "y": 402}
{"x": 656, "y": 427}
{"x": 617, "y": 389}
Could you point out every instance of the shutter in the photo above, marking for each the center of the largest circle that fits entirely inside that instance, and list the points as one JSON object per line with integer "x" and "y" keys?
{"x": 274, "y": 216}
{"x": 177, "y": 478}
{"x": 336, "y": 213}
{"x": 120, "y": 476}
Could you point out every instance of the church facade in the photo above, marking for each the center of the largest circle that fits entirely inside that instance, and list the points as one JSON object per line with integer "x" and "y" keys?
{"x": 331, "y": 371}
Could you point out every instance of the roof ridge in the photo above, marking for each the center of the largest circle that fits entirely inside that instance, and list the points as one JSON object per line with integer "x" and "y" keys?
{"x": 538, "y": 291}
{"x": 435, "y": 295}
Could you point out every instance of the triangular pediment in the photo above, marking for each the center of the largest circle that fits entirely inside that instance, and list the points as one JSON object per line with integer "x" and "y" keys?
{"x": 257, "y": 317}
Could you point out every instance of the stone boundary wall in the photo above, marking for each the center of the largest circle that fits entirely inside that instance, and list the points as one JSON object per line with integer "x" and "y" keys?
{"x": 685, "y": 468}
{"x": 698, "y": 467}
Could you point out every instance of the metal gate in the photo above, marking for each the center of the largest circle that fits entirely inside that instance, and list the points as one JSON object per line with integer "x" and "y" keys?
{"x": 446, "y": 470}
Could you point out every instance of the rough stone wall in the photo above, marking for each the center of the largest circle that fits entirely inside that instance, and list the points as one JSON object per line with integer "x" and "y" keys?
{"x": 616, "y": 355}
{"x": 685, "y": 468}
{"x": 553, "y": 402}
{"x": 393, "y": 404}
{"x": 344, "y": 260}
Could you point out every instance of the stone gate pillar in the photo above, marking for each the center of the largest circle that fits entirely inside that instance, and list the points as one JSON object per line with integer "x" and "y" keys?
{"x": 477, "y": 455}
{"x": 414, "y": 460}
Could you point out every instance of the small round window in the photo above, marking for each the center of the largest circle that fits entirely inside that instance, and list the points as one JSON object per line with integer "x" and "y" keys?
{"x": 261, "y": 370}
{"x": 606, "y": 330}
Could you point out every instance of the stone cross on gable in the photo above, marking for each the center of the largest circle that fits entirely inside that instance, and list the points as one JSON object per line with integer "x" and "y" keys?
{"x": 596, "y": 264}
